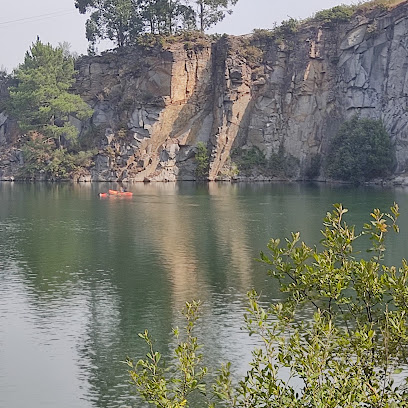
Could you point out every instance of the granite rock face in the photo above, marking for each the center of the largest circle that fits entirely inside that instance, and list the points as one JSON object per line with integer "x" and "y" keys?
{"x": 325, "y": 75}
{"x": 152, "y": 107}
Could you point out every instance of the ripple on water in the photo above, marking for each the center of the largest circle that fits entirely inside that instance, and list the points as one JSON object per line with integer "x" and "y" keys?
{"x": 80, "y": 277}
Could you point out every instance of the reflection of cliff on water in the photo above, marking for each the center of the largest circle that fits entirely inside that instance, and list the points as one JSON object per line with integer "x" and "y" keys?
{"x": 47, "y": 237}
{"x": 77, "y": 283}
{"x": 38, "y": 300}
{"x": 81, "y": 276}
{"x": 230, "y": 228}
{"x": 171, "y": 218}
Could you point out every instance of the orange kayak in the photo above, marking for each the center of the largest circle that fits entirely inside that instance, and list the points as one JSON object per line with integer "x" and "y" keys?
{"x": 103, "y": 194}
{"x": 120, "y": 193}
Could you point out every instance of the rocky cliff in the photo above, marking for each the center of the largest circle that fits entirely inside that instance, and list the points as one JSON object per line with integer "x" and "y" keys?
{"x": 285, "y": 95}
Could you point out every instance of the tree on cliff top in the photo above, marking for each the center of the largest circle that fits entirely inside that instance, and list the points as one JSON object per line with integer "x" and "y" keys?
{"x": 211, "y": 12}
{"x": 116, "y": 20}
{"x": 122, "y": 21}
{"x": 41, "y": 100}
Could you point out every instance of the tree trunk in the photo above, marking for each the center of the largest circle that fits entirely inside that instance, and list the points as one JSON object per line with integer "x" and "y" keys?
{"x": 201, "y": 16}
{"x": 121, "y": 36}
{"x": 170, "y": 18}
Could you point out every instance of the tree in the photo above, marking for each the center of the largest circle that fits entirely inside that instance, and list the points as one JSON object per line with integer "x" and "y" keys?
{"x": 340, "y": 335}
{"x": 167, "y": 17}
{"x": 116, "y": 20}
{"x": 360, "y": 151}
{"x": 337, "y": 14}
{"x": 202, "y": 159}
{"x": 211, "y": 12}
{"x": 122, "y": 21}
{"x": 150, "y": 375}
{"x": 41, "y": 100}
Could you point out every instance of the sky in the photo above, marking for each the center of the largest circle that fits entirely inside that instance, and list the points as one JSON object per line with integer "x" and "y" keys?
{"x": 56, "y": 21}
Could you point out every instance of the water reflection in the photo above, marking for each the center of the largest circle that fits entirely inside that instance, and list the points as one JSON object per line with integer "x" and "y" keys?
{"x": 81, "y": 276}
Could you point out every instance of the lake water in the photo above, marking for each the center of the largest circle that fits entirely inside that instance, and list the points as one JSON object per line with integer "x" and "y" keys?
{"x": 80, "y": 276}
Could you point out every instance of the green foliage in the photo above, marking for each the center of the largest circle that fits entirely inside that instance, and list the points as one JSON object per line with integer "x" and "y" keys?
{"x": 249, "y": 159}
{"x": 337, "y": 14}
{"x": 116, "y": 20}
{"x": 280, "y": 33}
{"x": 346, "y": 354}
{"x": 211, "y": 12}
{"x": 56, "y": 164}
{"x": 262, "y": 39}
{"x": 41, "y": 100}
{"x": 313, "y": 170}
{"x": 287, "y": 27}
{"x": 382, "y": 4}
{"x": 281, "y": 164}
{"x": 170, "y": 387}
{"x": 91, "y": 136}
{"x": 124, "y": 21}
{"x": 229, "y": 170}
{"x": 252, "y": 54}
{"x": 194, "y": 40}
{"x": 277, "y": 163}
{"x": 360, "y": 151}
{"x": 262, "y": 36}
{"x": 167, "y": 17}
{"x": 148, "y": 40}
{"x": 203, "y": 161}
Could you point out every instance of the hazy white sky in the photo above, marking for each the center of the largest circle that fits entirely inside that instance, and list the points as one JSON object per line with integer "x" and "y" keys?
{"x": 57, "y": 21}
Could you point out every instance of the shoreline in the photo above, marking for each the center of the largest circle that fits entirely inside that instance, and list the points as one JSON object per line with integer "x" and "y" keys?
{"x": 397, "y": 181}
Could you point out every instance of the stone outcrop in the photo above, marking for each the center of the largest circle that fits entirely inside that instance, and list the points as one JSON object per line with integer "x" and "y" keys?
{"x": 152, "y": 107}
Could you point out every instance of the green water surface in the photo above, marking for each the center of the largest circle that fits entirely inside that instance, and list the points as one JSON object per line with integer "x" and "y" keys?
{"x": 80, "y": 276}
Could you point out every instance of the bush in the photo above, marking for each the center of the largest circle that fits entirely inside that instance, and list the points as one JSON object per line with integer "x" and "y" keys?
{"x": 313, "y": 170}
{"x": 281, "y": 164}
{"x": 56, "y": 164}
{"x": 360, "y": 151}
{"x": 252, "y": 54}
{"x": 337, "y": 14}
{"x": 280, "y": 33}
{"x": 249, "y": 159}
{"x": 381, "y": 4}
{"x": 150, "y": 41}
{"x": 288, "y": 27}
{"x": 167, "y": 389}
{"x": 203, "y": 161}
{"x": 262, "y": 36}
{"x": 346, "y": 355}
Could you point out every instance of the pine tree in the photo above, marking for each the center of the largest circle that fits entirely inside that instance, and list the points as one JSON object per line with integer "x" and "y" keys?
{"x": 41, "y": 100}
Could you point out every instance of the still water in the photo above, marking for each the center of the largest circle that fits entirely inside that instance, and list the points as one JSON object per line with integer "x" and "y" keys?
{"x": 80, "y": 276}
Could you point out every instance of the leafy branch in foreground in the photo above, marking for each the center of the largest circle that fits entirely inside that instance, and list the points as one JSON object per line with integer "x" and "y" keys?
{"x": 339, "y": 339}
{"x": 170, "y": 387}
